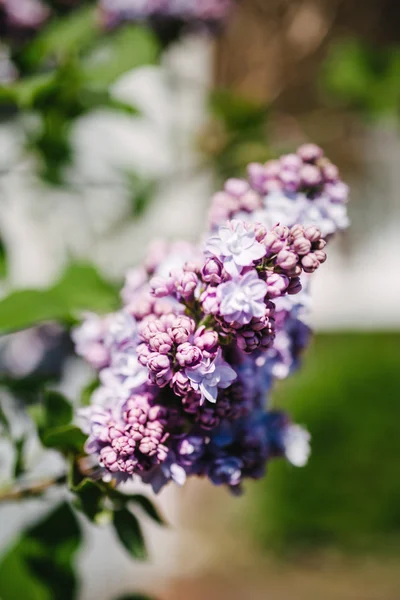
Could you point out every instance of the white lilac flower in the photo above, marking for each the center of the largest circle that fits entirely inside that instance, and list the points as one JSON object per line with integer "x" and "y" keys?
{"x": 296, "y": 442}
{"x": 210, "y": 376}
{"x": 236, "y": 246}
{"x": 122, "y": 329}
{"x": 125, "y": 374}
{"x": 243, "y": 298}
{"x": 89, "y": 340}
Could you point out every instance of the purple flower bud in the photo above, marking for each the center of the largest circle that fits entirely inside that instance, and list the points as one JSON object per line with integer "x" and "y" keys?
{"x": 338, "y": 192}
{"x": 257, "y": 176}
{"x": 294, "y": 286}
{"x": 188, "y": 355}
{"x": 150, "y": 327}
{"x": 310, "y": 152}
{"x": 281, "y": 231}
{"x": 272, "y": 185}
{"x": 181, "y": 384}
{"x": 301, "y": 245}
{"x": 286, "y": 260}
{"x": 272, "y": 169}
{"x": 290, "y": 162}
{"x": 190, "y": 449}
{"x": 161, "y": 287}
{"x": 312, "y": 233}
{"x": 290, "y": 180}
{"x": 160, "y": 369}
{"x": 310, "y": 175}
{"x": 109, "y": 458}
{"x": 212, "y": 272}
{"x": 210, "y": 301}
{"x": 226, "y": 470}
{"x": 250, "y": 201}
{"x": 273, "y": 243}
{"x": 277, "y": 284}
{"x": 310, "y": 263}
{"x": 206, "y": 340}
{"x": 161, "y": 342}
{"x": 185, "y": 282}
{"x": 330, "y": 172}
{"x": 236, "y": 187}
{"x": 260, "y": 231}
{"x": 143, "y": 353}
{"x": 320, "y": 255}
{"x": 181, "y": 329}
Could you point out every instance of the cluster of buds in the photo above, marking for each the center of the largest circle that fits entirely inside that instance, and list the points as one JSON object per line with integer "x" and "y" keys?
{"x": 187, "y": 366}
{"x": 307, "y": 171}
{"x": 300, "y": 188}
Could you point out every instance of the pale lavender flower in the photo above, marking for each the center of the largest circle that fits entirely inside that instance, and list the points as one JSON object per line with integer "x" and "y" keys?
{"x": 242, "y": 299}
{"x": 121, "y": 330}
{"x": 236, "y": 246}
{"x": 89, "y": 340}
{"x": 210, "y": 376}
{"x": 125, "y": 373}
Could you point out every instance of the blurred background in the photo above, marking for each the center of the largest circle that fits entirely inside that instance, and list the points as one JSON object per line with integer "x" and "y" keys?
{"x": 127, "y": 143}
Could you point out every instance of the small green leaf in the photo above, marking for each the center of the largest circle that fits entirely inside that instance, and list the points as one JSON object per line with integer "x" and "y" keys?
{"x": 19, "y": 464}
{"x": 127, "y": 49}
{"x": 40, "y": 565}
{"x": 67, "y": 438}
{"x": 3, "y": 260}
{"x": 24, "y": 92}
{"x": 90, "y": 499}
{"x": 129, "y": 533}
{"x": 80, "y": 288}
{"x": 88, "y": 391}
{"x": 63, "y": 37}
{"x": 59, "y": 411}
{"x": 148, "y": 507}
{"x": 236, "y": 111}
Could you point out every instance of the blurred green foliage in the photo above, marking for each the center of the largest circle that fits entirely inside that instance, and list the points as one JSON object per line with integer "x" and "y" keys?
{"x": 80, "y": 288}
{"x": 363, "y": 77}
{"x": 348, "y": 496}
{"x": 65, "y": 72}
{"x": 237, "y": 133}
{"x": 40, "y": 565}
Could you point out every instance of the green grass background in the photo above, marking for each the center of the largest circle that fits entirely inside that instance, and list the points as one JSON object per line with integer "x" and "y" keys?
{"x": 348, "y": 496}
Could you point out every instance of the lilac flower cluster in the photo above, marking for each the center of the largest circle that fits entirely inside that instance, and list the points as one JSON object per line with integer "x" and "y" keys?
{"x": 163, "y": 12}
{"x": 304, "y": 188}
{"x": 187, "y": 366}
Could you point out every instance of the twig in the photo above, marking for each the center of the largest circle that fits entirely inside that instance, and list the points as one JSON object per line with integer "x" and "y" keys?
{"x": 30, "y": 491}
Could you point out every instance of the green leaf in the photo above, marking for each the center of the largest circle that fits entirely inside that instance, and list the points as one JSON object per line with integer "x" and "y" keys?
{"x": 80, "y": 288}
{"x": 63, "y": 37}
{"x": 142, "y": 193}
{"x": 236, "y": 111}
{"x": 67, "y": 438}
{"x": 19, "y": 464}
{"x": 24, "y": 92}
{"x": 90, "y": 499}
{"x": 59, "y": 411}
{"x": 148, "y": 507}
{"x": 3, "y": 260}
{"x": 129, "y": 533}
{"x": 127, "y": 49}
{"x": 40, "y": 565}
{"x": 88, "y": 391}
{"x": 83, "y": 288}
